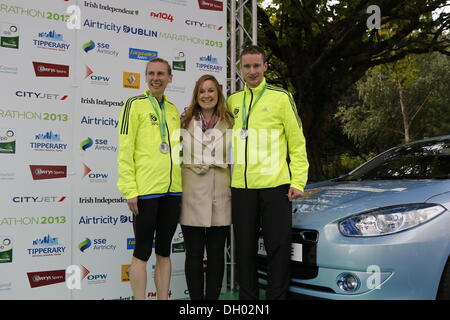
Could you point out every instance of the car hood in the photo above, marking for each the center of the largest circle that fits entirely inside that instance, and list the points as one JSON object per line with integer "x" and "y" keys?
{"x": 329, "y": 201}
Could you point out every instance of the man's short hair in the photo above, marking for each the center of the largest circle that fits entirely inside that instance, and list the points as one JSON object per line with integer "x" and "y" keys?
{"x": 253, "y": 49}
{"x": 169, "y": 69}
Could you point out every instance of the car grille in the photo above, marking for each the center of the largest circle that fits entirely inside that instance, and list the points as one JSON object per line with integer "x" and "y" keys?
{"x": 307, "y": 269}
{"x": 298, "y": 285}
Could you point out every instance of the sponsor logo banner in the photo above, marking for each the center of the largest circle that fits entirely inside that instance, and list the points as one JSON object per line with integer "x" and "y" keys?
{"x": 103, "y": 48}
{"x": 99, "y": 121}
{"x": 84, "y": 244}
{"x": 131, "y": 80}
{"x": 100, "y": 244}
{"x": 131, "y": 243}
{"x": 105, "y": 220}
{"x": 51, "y": 35}
{"x": 9, "y": 35}
{"x": 179, "y": 61}
{"x": 40, "y": 172}
{"x": 49, "y": 136}
{"x": 7, "y": 176}
{"x": 86, "y": 144}
{"x": 29, "y": 115}
{"x": 117, "y": 29}
{"x": 38, "y": 199}
{"x": 162, "y": 16}
{"x": 5, "y": 286}
{"x": 6, "y": 249}
{"x": 209, "y": 63}
{"x": 176, "y": 2}
{"x": 96, "y": 79}
{"x": 139, "y": 31}
{"x": 203, "y": 25}
{"x": 193, "y": 40}
{"x": 107, "y": 7}
{"x": 34, "y": 13}
{"x": 46, "y": 246}
{"x": 8, "y": 69}
{"x": 141, "y": 54}
{"x": 103, "y": 102}
{"x": 121, "y": 298}
{"x": 52, "y": 41}
{"x": 125, "y": 272}
{"x": 98, "y": 278}
{"x": 45, "y": 278}
{"x": 43, "y": 69}
{"x": 103, "y": 200}
{"x": 213, "y": 5}
{"x": 88, "y": 46}
{"x": 178, "y": 243}
{"x": 27, "y": 221}
{"x": 7, "y": 141}
{"x": 40, "y": 95}
{"x": 48, "y": 141}
{"x": 102, "y": 25}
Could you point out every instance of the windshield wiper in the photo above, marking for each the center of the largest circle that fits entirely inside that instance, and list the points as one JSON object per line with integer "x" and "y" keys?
{"x": 345, "y": 179}
{"x": 443, "y": 176}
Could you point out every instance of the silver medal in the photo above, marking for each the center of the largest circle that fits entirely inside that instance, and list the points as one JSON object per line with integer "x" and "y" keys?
{"x": 244, "y": 133}
{"x": 164, "y": 147}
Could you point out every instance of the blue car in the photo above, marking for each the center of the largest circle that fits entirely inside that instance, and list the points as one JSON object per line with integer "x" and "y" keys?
{"x": 381, "y": 231}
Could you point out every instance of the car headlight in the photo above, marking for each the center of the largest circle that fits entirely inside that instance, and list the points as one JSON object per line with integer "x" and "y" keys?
{"x": 389, "y": 220}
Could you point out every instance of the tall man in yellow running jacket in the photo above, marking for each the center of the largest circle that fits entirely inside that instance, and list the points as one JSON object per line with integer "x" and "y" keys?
{"x": 150, "y": 176}
{"x": 270, "y": 170}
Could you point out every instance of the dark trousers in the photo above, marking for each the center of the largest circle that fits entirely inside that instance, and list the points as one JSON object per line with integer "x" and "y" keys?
{"x": 270, "y": 210}
{"x": 195, "y": 240}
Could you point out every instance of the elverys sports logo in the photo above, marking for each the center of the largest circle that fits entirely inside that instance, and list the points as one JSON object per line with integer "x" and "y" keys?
{"x": 43, "y": 69}
{"x": 213, "y": 5}
{"x": 41, "y": 172}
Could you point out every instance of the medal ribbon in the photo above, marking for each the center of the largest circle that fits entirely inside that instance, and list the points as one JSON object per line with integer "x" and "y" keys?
{"x": 244, "y": 109}
{"x": 162, "y": 121}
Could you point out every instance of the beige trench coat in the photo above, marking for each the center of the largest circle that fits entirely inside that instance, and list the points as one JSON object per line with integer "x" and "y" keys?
{"x": 205, "y": 175}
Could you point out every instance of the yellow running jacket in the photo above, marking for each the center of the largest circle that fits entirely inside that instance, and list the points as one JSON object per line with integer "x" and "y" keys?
{"x": 142, "y": 168}
{"x": 274, "y": 153}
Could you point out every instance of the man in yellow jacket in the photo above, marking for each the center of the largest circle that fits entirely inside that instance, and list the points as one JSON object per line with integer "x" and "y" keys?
{"x": 150, "y": 176}
{"x": 270, "y": 170}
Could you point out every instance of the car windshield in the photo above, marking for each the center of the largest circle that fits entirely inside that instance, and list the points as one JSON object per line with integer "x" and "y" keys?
{"x": 425, "y": 160}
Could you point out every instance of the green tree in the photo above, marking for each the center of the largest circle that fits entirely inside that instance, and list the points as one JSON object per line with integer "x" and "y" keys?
{"x": 398, "y": 102}
{"x": 324, "y": 46}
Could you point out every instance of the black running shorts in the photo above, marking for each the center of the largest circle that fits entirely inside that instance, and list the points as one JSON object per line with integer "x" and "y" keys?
{"x": 160, "y": 215}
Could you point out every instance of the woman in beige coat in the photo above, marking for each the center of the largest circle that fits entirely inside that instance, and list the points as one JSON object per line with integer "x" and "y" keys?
{"x": 206, "y": 203}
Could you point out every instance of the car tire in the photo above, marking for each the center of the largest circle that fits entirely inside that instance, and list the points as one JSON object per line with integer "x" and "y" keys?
{"x": 444, "y": 286}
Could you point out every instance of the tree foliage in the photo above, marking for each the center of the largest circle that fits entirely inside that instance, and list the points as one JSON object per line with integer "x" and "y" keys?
{"x": 323, "y": 47}
{"x": 373, "y": 118}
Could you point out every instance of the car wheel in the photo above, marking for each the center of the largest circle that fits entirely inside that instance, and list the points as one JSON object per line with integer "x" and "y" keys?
{"x": 444, "y": 286}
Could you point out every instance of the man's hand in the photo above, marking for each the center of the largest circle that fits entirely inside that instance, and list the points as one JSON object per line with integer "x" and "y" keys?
{"x": 132, "y": 205}
{"x": 295, "y": 193}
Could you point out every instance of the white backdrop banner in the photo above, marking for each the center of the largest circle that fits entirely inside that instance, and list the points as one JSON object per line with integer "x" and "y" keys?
{"x": 66, "y": 67}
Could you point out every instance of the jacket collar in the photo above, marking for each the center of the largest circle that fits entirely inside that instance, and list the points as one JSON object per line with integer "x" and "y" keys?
{"x": 147, "y": 92}
{"x": 258, "y": 89}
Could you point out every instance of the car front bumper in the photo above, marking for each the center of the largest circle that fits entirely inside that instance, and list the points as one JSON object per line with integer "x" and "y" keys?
{"x": 406, "y": 265}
